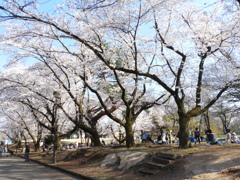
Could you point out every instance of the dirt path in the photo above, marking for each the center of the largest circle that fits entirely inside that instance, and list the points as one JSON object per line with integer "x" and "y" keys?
{"x": 206, "y": 165}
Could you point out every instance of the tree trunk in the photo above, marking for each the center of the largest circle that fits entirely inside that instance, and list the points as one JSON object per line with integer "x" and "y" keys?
{"x": 57, "y": 143}
{"x": 37, "y": 146}
{"x": 183, "y": 131}
{"x": 129, "y": 135}
{"x": 95, "y": 139}
{"x": 207, "y": 120}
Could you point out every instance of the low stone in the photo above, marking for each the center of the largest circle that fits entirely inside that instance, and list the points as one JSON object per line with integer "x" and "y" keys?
{"x": 132, "y": 159}
{"x": 110, "y": 160}
{"x": 125, "y": 153}
{"x": 124, "y": 160}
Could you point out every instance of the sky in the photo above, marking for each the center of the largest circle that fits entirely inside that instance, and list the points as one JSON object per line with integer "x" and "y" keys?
{"x": 3, "y": 61}
{"x": 47, "y": 5}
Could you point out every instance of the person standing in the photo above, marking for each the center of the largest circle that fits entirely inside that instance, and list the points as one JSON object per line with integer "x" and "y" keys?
{"x": 27, "y": 151}
{"x": 1, "y": 151}
{"x": 43, "y": 147}
{"x": 197, "y": 135}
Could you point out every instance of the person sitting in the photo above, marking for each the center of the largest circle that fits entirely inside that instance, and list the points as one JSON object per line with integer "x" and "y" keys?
{"x": 234, "y": 139}
{"x": 103, "y": 143}
{"x": 144, "y": 138}
{"x": 11, "y": 152}
{"x": 164, "y": 137}
{"x": 228, "y": 137}
{"x": 211, "y": 137}
{"x": 150, "y": 139}
{"x": 159, "y": 139}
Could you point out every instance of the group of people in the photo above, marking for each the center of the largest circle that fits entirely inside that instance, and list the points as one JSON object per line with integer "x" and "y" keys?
{"x": 209, "y": 137}
{"x": 5, "y": 149}
{"x": 231, "y": 137}
{"x": 165, "y": 137}
{"x": 198, "y": 137}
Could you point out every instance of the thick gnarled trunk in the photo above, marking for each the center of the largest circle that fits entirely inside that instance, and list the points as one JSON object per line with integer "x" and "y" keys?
{"x": 95, "y": 139}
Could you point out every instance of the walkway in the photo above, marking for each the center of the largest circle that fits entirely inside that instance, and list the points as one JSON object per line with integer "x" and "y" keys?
{"x": 15, "y": 168}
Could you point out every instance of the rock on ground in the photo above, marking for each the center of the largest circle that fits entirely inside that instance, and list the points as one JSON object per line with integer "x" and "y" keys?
{"x": 124, "y": 160}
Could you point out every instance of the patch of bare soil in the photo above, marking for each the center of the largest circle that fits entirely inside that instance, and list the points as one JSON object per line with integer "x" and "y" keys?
{"x": 201, "y": 162}
{"x": 215, "y": 163}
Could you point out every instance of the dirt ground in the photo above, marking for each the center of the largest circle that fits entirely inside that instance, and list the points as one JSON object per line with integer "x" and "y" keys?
{"x": 200, "y": 162}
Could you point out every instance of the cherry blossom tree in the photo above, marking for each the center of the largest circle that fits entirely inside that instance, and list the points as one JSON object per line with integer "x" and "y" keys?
{"x": 190, "y": 56}
{"x": 80, "y": 110}
{"x": 130, "y": 99}
{"x": 28, "y": 128}
{"x": 21, "y": 89}
{"x": 226, "y": 113}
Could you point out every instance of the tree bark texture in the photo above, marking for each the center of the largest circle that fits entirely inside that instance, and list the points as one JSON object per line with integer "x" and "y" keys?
{"x": 129, "y": 135}
{"x": 183, "y": 131}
